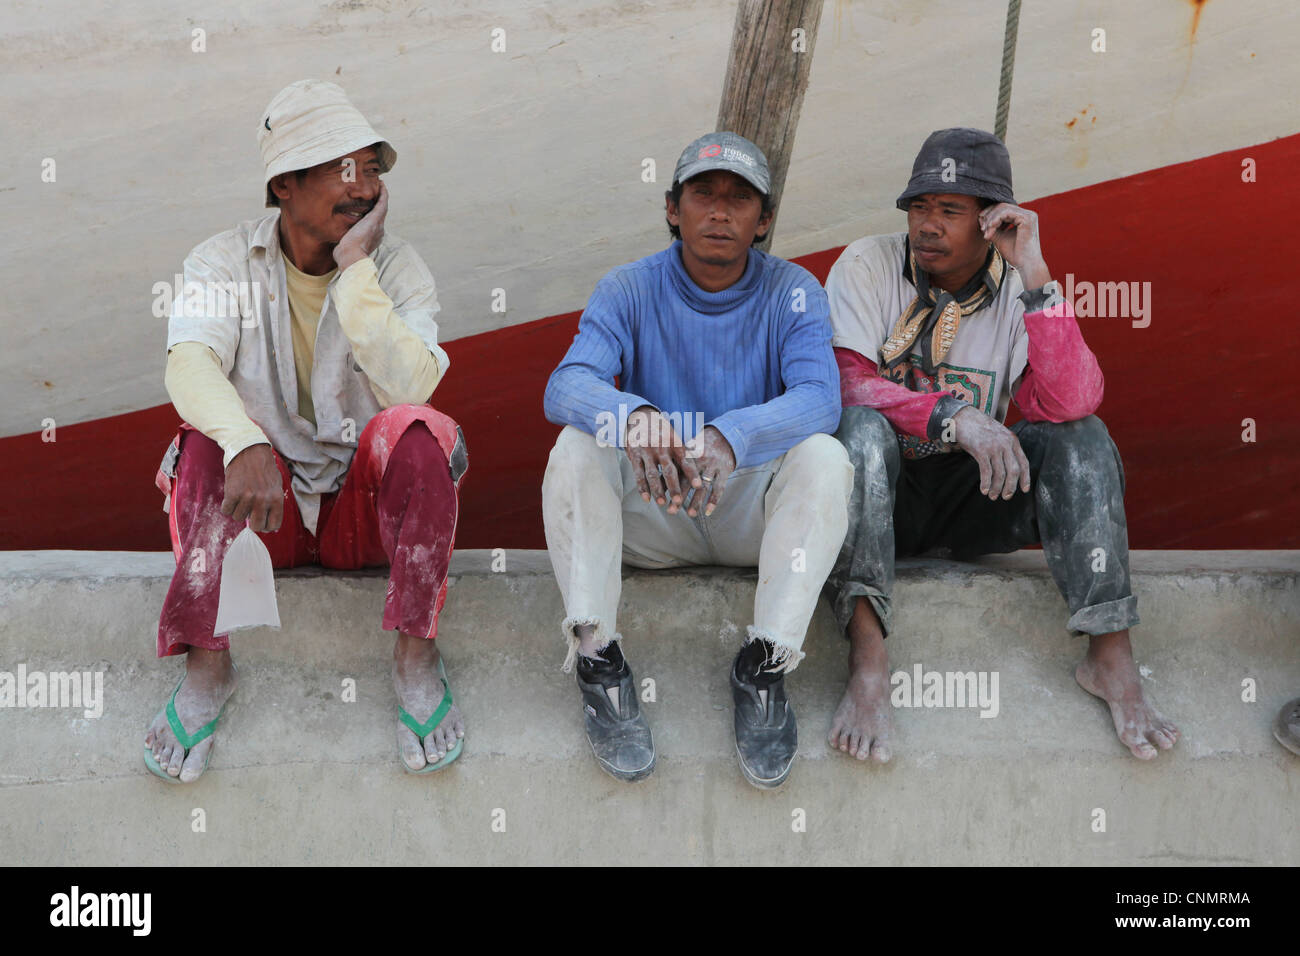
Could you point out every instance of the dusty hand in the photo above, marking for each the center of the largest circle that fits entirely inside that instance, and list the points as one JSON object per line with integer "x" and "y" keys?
{"x": 715, "y": 461}
{"x": 1014, "y": 233}
{"x": 363, "y": 238}
{"x": 995, "y": 447}
{"x": 659, "y": 459}
{"x": 254, "y": 489}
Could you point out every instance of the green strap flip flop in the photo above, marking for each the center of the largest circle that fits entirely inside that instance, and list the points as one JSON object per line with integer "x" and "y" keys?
{"x": 423, "y": 730}
{"x": 187, "y": 740}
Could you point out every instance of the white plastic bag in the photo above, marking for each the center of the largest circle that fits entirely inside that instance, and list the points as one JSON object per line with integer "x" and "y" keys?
{"x": 247, "y": 586}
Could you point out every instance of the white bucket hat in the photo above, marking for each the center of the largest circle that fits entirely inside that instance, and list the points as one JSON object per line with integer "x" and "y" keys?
{"x": 311, "y": 122}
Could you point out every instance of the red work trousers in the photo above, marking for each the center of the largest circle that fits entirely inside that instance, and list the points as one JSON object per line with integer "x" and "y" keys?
{"x": 397, "y": 507}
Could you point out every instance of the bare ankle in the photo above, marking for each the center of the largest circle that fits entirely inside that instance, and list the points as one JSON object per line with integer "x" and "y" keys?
{"x": 1111, "y": 648}
{"x": 867, "y": 647}
{"x": 412, "y": 648}
{"x": 209, "y": 663}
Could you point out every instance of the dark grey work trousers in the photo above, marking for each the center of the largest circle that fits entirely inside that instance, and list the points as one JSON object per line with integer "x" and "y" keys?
{"x": 905, "y": 507}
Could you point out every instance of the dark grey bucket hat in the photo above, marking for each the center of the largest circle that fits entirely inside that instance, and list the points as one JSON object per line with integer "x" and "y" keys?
{"x": 961, "y": 160}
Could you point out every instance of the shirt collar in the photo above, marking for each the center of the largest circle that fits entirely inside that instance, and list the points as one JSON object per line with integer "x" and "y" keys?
{"x": 267, "y": 234}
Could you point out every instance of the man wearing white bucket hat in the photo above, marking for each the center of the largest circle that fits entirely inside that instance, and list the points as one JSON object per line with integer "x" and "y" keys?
{"x": 302, "y": 351}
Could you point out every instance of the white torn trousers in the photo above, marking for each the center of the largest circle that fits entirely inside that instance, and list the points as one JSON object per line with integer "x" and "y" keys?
{"x": 787, "y": 516}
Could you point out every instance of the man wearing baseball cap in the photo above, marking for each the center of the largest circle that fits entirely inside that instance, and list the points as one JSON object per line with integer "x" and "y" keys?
{"x": 301, "y": 354}
{"x": 713, "y": 449}
{"x": 937, "y": 330}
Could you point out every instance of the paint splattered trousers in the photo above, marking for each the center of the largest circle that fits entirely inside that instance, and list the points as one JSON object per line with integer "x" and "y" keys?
{"x": 786, "y": 516}
{"x": 397, "y": 507}
{"x": 905, "y": 507}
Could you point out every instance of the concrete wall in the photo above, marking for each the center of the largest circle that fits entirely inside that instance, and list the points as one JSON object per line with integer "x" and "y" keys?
{"x": 299, "y": 776}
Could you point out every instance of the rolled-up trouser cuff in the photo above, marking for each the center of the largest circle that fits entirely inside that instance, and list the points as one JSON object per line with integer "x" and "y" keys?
{"x": 1117, "y": 615}
{"x": 845, "y": 601}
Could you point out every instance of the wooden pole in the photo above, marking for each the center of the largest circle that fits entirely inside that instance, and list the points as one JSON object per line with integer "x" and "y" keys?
{"x": 767, "y": 74}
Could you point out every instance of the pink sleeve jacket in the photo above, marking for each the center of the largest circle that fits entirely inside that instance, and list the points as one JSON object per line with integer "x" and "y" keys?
{"x": 1062, "y": 382}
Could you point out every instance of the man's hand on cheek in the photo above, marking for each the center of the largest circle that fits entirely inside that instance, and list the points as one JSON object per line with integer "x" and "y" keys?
{"x": 363, "y": 238}
{"x": 1013, "y": 230}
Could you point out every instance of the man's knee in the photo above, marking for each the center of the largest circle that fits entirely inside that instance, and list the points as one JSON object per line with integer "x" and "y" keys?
{"x": 1089, "y": 432}
{"x": 416, "y": 444}
{"x": 200, "y": 451}
{"x": 1084, "y": 440}
{"x": 201, "y": 466}
{"x": 869, "y": 439}
{"x": 821, "y": 461}
{"x": 392, "y": 411}
{"x": 418, "y": 465}
{"x": 575, "y": 453}
{"x": 1080, "y": 451}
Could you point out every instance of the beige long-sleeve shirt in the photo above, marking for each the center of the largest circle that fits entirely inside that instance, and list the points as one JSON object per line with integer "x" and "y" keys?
{"x": 400, "y": 367}
{"x": 235, "y": 301}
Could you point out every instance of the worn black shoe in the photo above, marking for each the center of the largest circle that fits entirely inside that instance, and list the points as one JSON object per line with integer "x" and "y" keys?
{"x": 619, "y": 737}
{"x": 766, "y": 735}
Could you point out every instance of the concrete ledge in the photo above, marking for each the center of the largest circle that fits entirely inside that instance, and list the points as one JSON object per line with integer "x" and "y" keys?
{"x": 299, "y": 776}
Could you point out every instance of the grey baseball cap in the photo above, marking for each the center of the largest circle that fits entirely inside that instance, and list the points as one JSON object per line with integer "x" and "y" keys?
{"x": 729, "y": 151}
{"x": 961, "y": 160}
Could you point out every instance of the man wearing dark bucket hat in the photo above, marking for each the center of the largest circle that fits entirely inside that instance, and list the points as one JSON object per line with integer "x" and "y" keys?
{"x": 302, "y": 353}
{"x": 713, "y": 449}
{"x": 936, "y": 331}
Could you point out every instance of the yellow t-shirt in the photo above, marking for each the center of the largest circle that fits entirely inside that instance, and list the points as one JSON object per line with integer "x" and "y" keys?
{"x": 306, "y": 299}
{"x": 388, "y": 351}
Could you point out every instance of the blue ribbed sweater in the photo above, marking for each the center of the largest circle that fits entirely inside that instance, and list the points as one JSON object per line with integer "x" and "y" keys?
{"x": 754, "y": 360}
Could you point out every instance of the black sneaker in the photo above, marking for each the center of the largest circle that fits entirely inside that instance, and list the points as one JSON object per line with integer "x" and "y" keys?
{"x": 766, "y": 735}
{"x": 620, "y": 738}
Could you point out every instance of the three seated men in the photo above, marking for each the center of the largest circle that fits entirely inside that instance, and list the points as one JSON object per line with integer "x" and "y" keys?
{"x": 306, "y": 421}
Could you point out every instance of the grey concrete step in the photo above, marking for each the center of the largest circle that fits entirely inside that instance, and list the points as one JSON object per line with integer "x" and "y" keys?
{"x": 298, "y": 775}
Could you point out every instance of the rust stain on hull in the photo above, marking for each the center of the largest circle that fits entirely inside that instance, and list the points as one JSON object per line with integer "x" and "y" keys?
{"x": 1197, "y": 7}
{"x": 1082, "y": 113}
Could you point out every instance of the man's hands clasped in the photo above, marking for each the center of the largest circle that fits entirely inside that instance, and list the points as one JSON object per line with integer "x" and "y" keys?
{"x": 666, "y": 469}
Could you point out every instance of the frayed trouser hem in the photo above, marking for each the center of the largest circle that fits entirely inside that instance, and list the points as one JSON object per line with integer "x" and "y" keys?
{"x": 786, "y": 656}
{"x": 1107, "y": 618}
{"x": 569, "y": 631}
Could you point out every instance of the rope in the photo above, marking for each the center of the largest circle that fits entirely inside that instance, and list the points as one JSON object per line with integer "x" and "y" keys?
{"x": 1008, "y": 65}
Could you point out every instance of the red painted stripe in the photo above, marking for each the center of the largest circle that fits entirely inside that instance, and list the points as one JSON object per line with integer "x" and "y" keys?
{"x": 1215, "y": 353}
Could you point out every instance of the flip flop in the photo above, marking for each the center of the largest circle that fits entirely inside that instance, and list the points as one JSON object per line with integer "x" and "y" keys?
{"x": 423, "y": 730}
{"x": 1283, "y": 726}
{"x": 187, "y": 740}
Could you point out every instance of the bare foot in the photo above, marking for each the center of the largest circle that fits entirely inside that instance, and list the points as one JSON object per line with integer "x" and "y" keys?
{"x": 864, "y": 722}
{"x": 1108, "y": 672}
{"x": 419, "y": 692}
{"x": 209, "y": 681}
